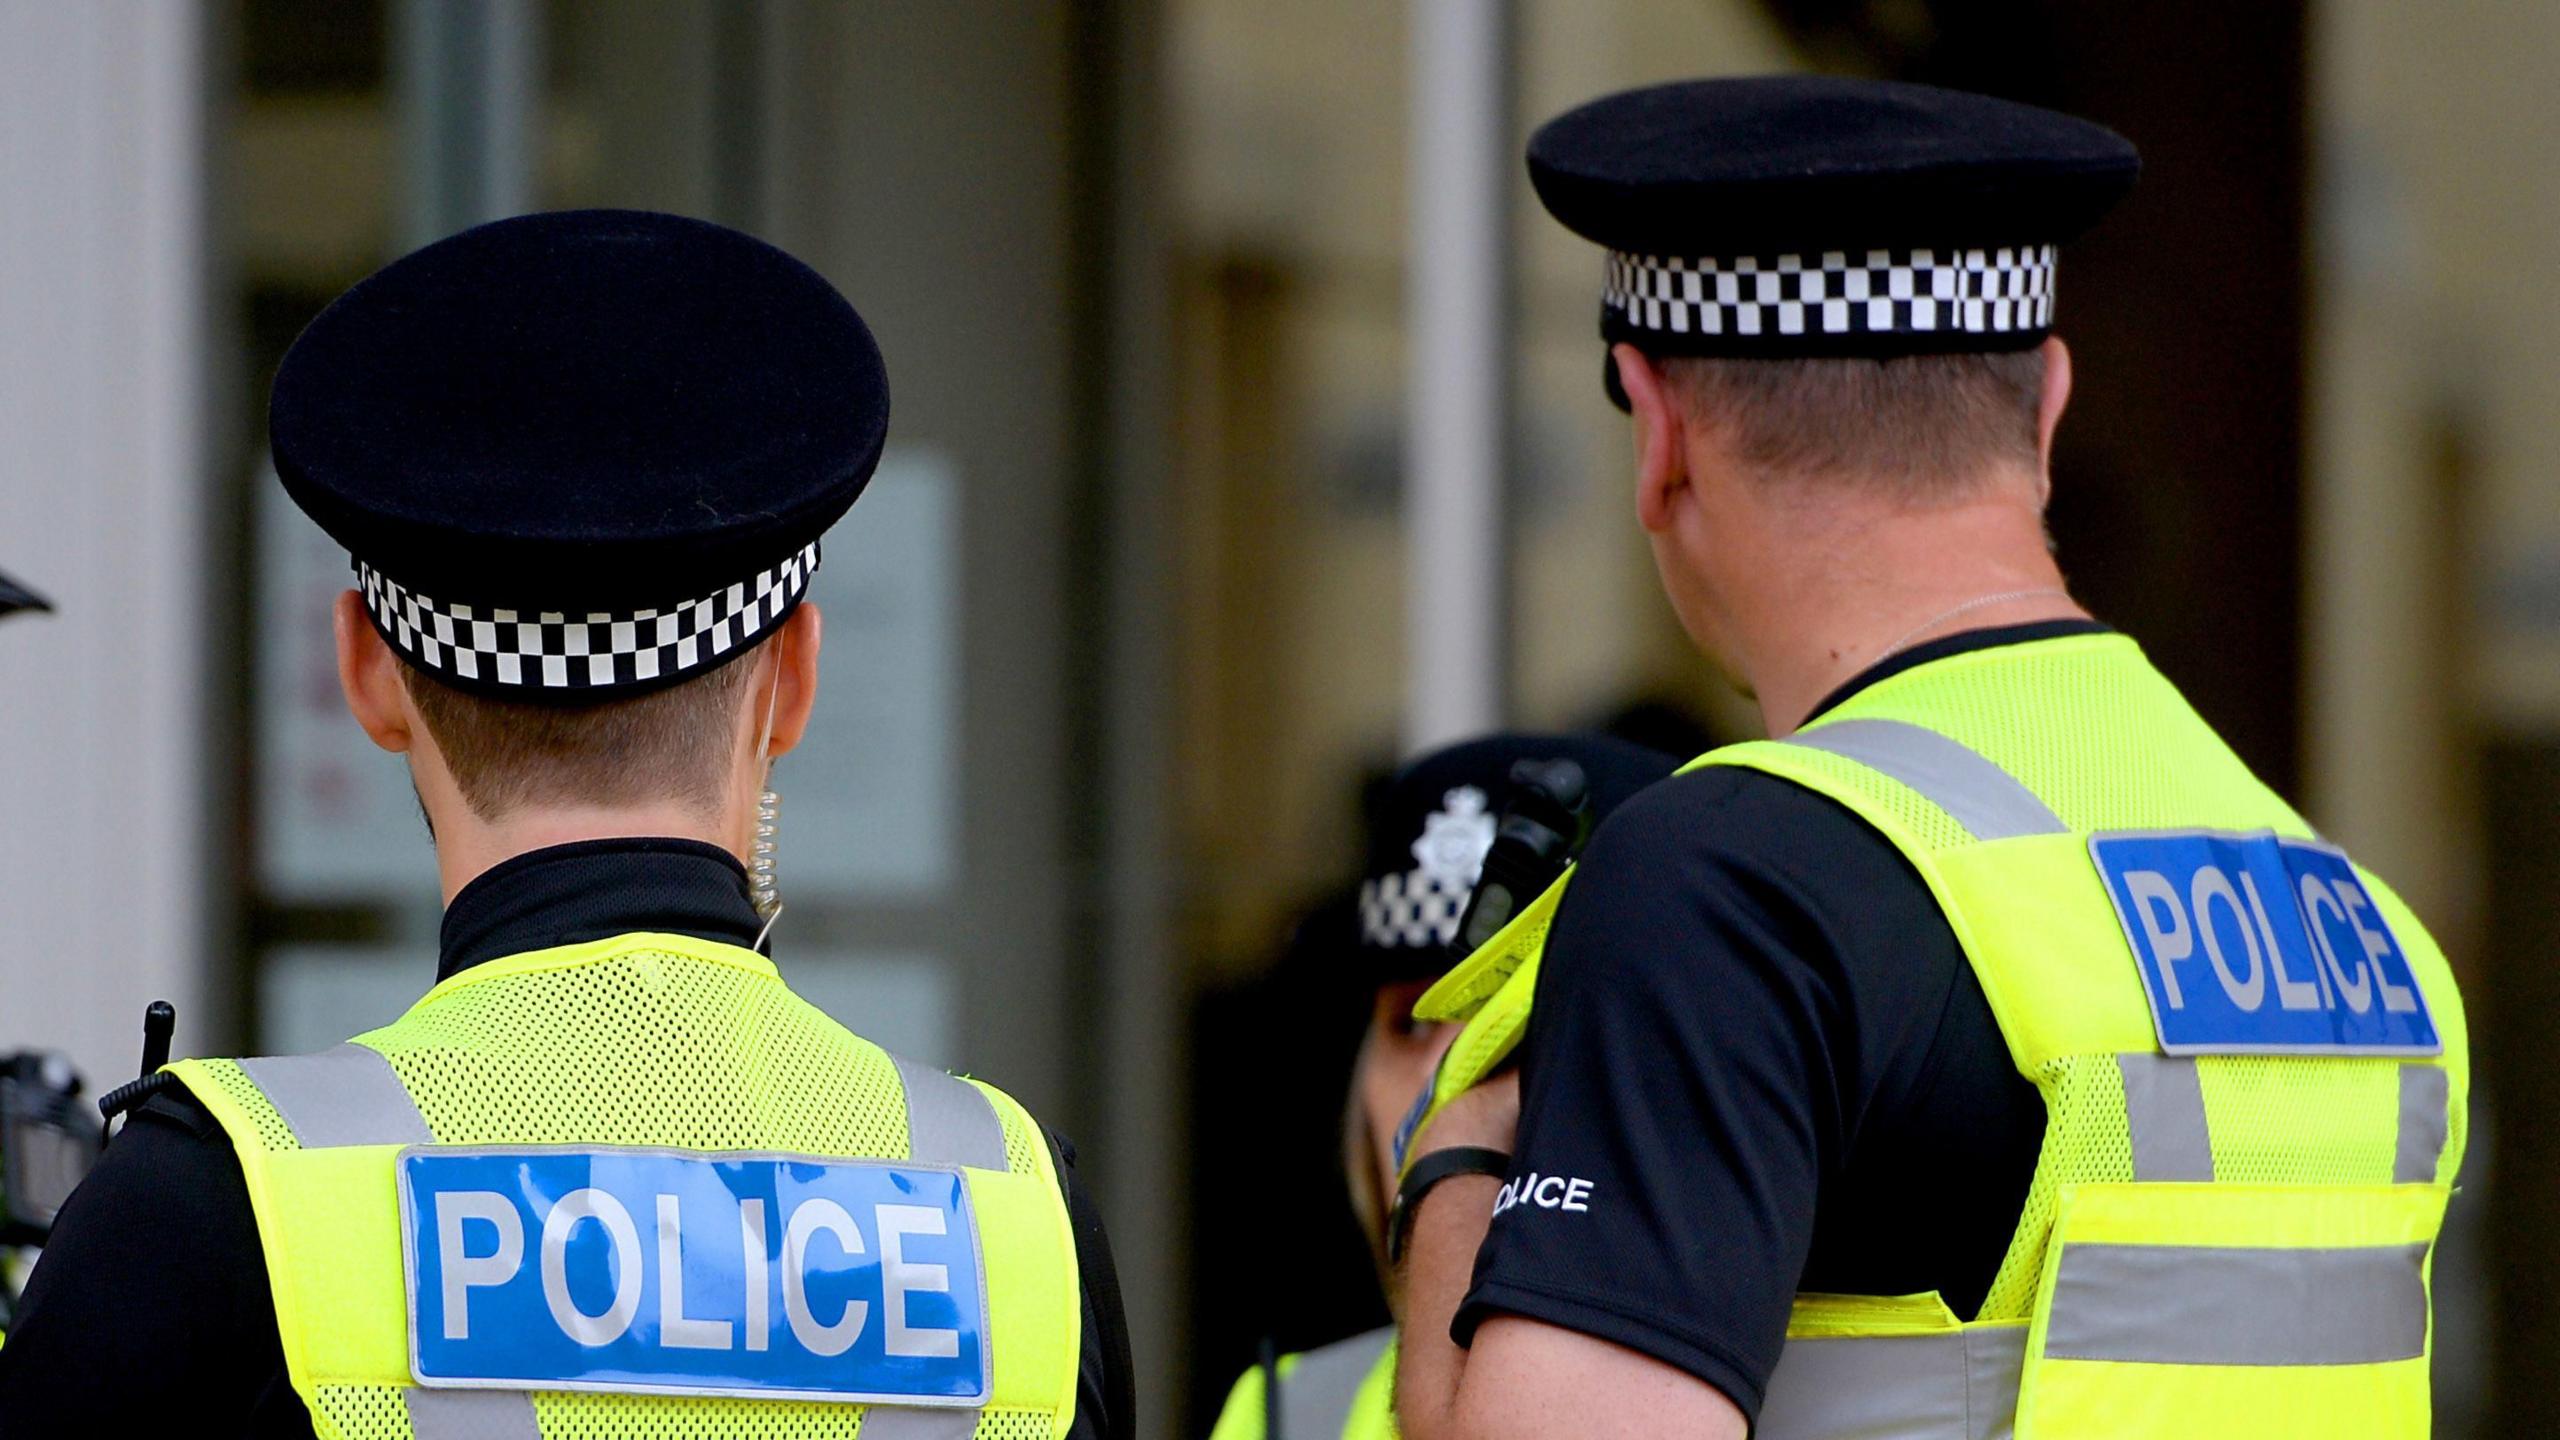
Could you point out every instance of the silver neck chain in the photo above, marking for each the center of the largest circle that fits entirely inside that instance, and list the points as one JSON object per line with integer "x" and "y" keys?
{"x": 1976, "y": 603}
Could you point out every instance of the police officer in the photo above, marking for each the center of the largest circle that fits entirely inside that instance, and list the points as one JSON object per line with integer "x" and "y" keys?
{"x": 609, "y": 1176}
{"x": 1988, "y": 1050}
{"x": 1427, "y": 837}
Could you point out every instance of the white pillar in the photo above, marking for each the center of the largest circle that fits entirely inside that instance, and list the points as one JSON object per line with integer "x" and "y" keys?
{"x": 1458, "y": 294}
{"x": 468, "y": 76}
{"x": 104, "y": 487}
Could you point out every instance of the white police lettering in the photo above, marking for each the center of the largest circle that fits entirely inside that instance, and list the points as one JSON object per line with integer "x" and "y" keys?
{"x": 465, "y": 1267}
{"x": 811, "y": 1217}
{"x": 751, "y": 1235}
{"x": 2166, "y": 923}
{"x": 2320, "y": 904}
{"x": 2395, "y": 998}
{"x": 607, "y": 1326}
{"x": 2292, "y": 994}
{"x": 2302, "y": 958}
{"x": 901, "y": 1277}
{"x": 462, "y": 1269}
{"x": 675, "y": 1328}
{"x": 790, "y": 1276}
{"x": 2156, "y": 907}
{"x": 1547, "y": 1192}
{"x": 2210, "y": 885}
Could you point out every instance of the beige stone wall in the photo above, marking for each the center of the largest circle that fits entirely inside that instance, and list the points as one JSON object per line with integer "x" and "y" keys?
{"x": 1289, "y": 139}
{"x": 2433, "y": 492}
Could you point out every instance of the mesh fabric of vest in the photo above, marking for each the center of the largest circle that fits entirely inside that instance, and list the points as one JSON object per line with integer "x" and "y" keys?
{"x": 2107, "y": 743}
{"x": 643, "y": 1048}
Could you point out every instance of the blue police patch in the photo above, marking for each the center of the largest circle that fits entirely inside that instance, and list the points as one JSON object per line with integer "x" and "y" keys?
{"x": 2255, "y": 944}
{"x": 666, "y": 1272}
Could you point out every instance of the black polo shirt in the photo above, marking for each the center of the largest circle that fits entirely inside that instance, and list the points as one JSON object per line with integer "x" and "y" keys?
{"x": 150, "y": 1312}
{"x": 1760, "y": 1064}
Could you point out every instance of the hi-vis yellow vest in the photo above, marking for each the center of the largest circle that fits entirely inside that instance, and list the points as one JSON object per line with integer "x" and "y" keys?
{"x": 1343, "y": 1391}
{"x": 2228, "y": 1232}
{"x": 643, "y": 1060}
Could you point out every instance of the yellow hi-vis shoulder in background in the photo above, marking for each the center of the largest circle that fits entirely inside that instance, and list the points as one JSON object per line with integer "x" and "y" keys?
{"x": 643, "y": 1040}
{"x": 2214, "y": 1243}
{"x": 1343, "y": 1391}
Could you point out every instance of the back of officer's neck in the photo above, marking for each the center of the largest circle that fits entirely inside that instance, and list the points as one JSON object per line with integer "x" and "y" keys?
{"x": 469, "y": 845}
{"x": 1837, "y": 588}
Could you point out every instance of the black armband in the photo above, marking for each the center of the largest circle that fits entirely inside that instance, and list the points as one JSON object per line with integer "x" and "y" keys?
{"x": 1430, "y": 1170}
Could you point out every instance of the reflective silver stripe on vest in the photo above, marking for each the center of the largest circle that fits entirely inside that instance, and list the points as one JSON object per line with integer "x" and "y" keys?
{"x": 949, "y": 1120}
{"x": 1943, "y": 1385}
{"x": 2425, "y": 1111}
{"x": 1316, "y": 1394}
{"x": 471, "y": 1414}
{"x": 1986, "y": 800}
{"x": 2230, "y": 1305}
{"x": 345, "y": 1096}
{"x": 2164, "y": 1108}
{"x": 914, "y": 1422}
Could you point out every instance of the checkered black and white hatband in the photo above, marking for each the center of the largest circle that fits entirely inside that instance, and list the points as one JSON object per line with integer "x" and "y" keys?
{"x": 1416, "y": 908}
{"x": 550, "y": 652}
{"x": 1777, "y": 299}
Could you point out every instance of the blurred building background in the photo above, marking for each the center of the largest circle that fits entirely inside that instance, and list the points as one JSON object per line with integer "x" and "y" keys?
{"x": 1131, "y": 613}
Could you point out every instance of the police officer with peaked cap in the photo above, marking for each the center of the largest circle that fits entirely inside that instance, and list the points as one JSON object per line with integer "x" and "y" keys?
{"x": 1428, "y": 833}
{"x": 1988, "y": 1051}
{"x": 609, "y": 1175}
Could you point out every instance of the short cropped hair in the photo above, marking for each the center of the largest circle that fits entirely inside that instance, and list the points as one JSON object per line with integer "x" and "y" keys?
{"x": 1921, "y": 427}
{"x": 670, "y": 744}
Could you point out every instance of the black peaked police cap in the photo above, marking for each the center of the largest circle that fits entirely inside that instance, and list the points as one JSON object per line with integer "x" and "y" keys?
{"x": 581, "y": 455}
{"x": 1430, "y": 826}
{"x": 1798, "y": 215}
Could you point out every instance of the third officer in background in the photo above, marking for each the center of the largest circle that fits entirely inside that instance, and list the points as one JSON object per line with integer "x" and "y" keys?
{"x": 1988, "y": 1051}
{"x": 1428, "y": 833}
{"x": 609, "y": 1176}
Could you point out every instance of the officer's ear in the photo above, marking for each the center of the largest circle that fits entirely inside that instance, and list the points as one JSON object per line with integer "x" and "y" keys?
{"x": 2049, "y": 404}
{"x": 1662, "y": 460}
{"x": 797, "y": 651}
{"x": 370, "y": 675}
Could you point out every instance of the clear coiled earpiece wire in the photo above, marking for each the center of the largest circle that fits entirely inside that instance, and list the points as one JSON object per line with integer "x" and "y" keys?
{"x": 762, "y": 886}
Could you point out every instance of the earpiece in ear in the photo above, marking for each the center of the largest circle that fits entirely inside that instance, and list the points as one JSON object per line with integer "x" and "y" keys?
{"x": 763, "y": 886}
